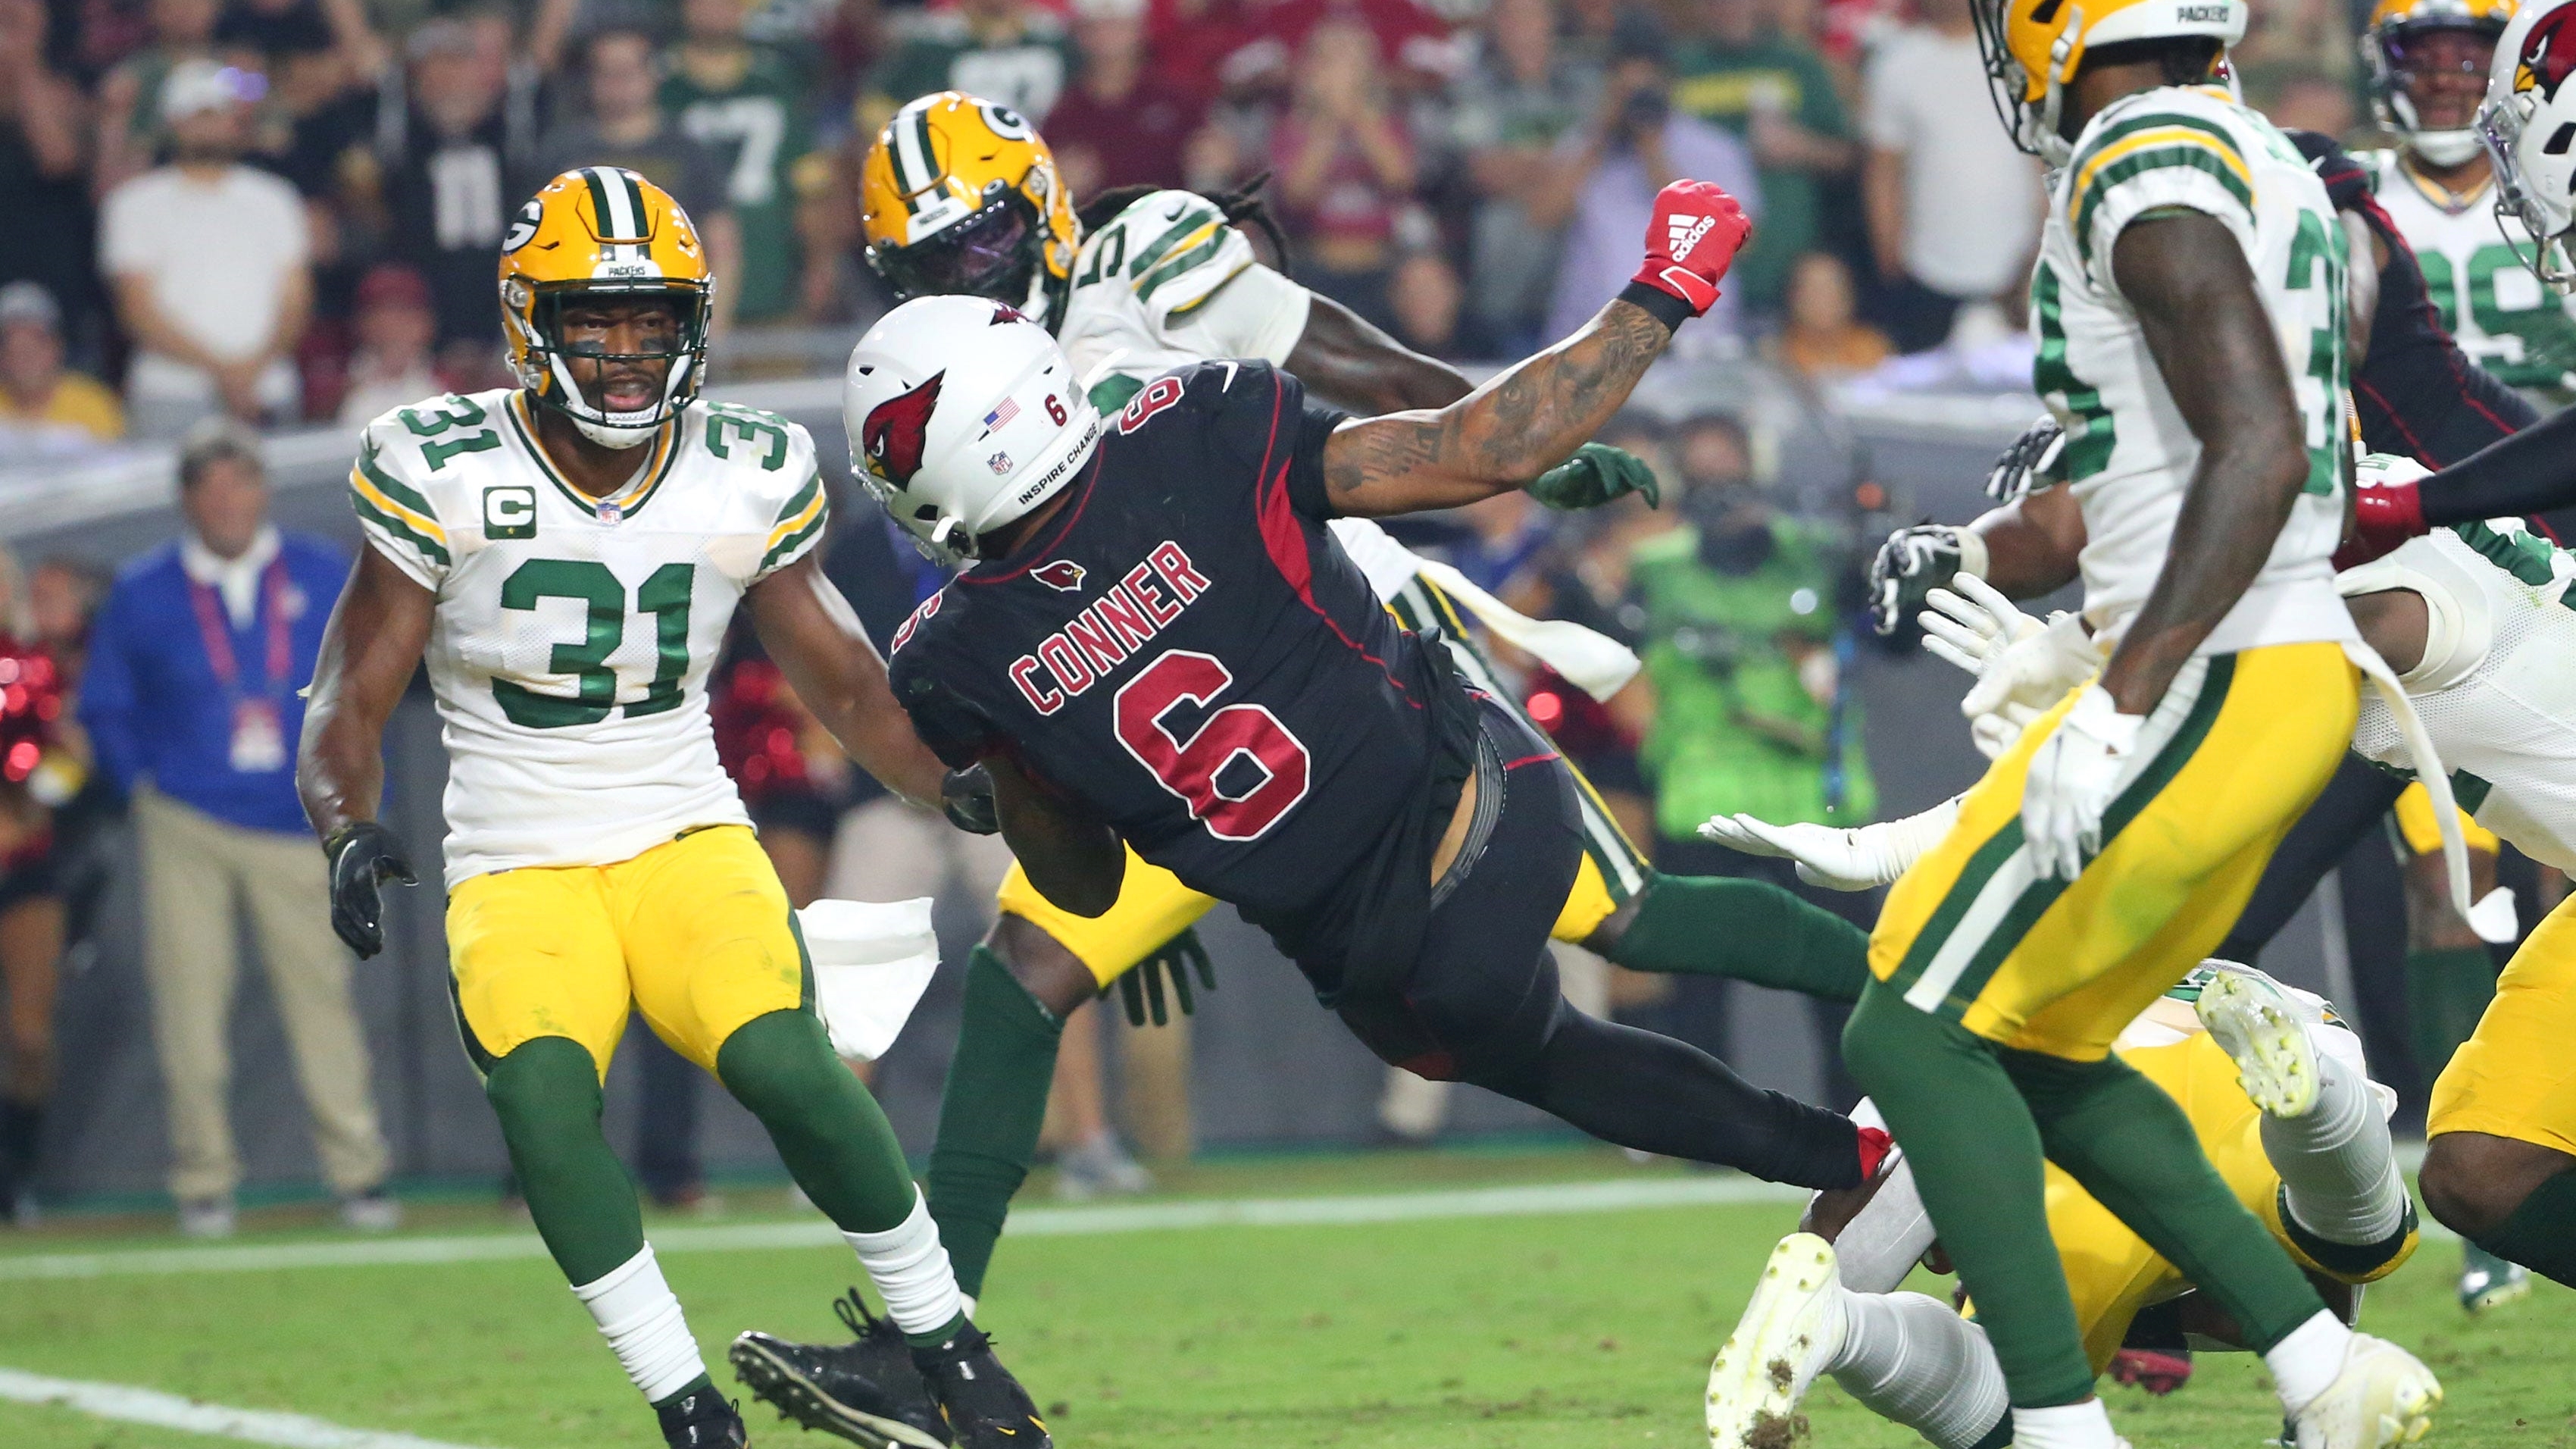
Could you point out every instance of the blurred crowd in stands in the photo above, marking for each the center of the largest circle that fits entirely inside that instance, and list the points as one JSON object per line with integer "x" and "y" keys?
{"x": 286, "y": 210}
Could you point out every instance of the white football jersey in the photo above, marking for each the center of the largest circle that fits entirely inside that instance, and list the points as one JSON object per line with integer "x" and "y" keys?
{"x": 2500, "y": 314}
{"x": 2128, "y": 454}
{"x": 2497, "y": 688}
{"x": 1166, "y": 283}
{"x": 573, "y": 637}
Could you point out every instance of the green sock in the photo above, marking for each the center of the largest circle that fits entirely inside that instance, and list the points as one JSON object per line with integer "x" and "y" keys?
{"x": 1976, "y": 1158}
{"x": 546, "y": 1094}
{"x": 1746, "y": 930}
{"x": 2446, "y": 992}
{"x": 832, "y": 1135}
{"x": 990, "y": 1115}
{"x": 2541, "y": 1234}
{"x": 697, "y": 1385}
{"x": 2120, "y": 1136}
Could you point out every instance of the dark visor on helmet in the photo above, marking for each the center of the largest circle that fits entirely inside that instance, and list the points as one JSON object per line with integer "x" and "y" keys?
{"x": 986, "y": 255}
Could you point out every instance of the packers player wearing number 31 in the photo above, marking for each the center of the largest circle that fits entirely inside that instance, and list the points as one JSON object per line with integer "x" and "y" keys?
{"x": 567, "y": 554}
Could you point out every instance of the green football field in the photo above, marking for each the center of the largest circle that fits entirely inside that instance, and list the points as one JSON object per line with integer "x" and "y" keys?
{"x": 1466, "y": 1300}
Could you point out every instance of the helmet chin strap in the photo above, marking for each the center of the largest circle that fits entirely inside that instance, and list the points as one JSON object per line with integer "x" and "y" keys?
{"x": 614, "y": 430}
{"x": 2443, "y": 148}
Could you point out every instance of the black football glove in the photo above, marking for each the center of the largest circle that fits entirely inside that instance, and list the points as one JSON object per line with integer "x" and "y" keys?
{"x": 1912, "y": 563}
{"x": 2034, "y": 463}
{"x": 363, "y": 856}
{"x": 966, "y": 798}
{"x": 1142, "y": 988}
{"x": 1597, "y": 473}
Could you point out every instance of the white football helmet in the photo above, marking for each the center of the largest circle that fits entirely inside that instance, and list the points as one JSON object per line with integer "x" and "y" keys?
{"x": 963, "y": 415}
{"x": 2529, "y": 126}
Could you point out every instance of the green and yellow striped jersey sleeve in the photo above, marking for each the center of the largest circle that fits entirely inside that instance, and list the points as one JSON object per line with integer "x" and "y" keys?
{"x": 2168, "y": 148}
{"x": 397, "y": 517}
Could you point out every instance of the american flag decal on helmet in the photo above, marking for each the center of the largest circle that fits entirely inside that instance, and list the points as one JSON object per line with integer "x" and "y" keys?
{"x": 999, "y": 416}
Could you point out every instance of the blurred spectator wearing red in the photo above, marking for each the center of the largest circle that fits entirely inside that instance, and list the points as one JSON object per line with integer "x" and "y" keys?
{"x": 1345, "y": 166}
{"x": 1117, "y": 125}
{"x": 46, "y": 410}
{"x": 209, "y": 261}
{"x": 1419, "y": 51}
{"x": 1770, "y": 87}
{"x": 396, "y": 328}
{"x": 1953, "y": 206}
{"x": 1635, "y": 143}
{"x": 37, "y": 773}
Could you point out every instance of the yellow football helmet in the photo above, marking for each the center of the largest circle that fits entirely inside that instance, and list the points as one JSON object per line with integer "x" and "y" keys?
{"x": 602, "y": 229}
{"x": 2392, "y": 49}
{"x": 961, "y": 195}
{"x": 2034, "y": 47}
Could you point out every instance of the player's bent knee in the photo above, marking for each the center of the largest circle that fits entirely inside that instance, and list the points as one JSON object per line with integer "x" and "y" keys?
{"x": 781, "y": 1058}
{"x": 544, "y": 1089}
{"x": 1045, "y": 967}
{"x": 2472, "y": 1181}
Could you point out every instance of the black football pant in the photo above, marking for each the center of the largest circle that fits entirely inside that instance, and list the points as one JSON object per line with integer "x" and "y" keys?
{"x": 1482, "y": 1005}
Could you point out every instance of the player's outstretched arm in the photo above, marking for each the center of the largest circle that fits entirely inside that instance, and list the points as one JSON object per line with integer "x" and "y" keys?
{"x": 1531, "y": 417}
{"x": 369, "y": 650}
{"x": 1075, "y": 861}
{"x": 1347, "y": 361}
{"x": 2212, "y": 340}
{"x": 811, "y": 631}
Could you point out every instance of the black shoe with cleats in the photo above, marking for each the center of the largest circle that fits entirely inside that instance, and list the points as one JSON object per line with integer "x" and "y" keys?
{"x": 986, "y": 1407}
{"x": 703, "y": 1420}
{"x": 867, "y": 1392}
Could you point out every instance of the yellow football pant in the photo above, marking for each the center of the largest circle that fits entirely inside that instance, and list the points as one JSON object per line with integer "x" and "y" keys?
{"x": 1153, "y": 907}
{"x": 2110, "y": 1271}
{"x": 2516, "y": 1077}
{"x": 2239, "y": 746}
{"x": 695, "y": 933}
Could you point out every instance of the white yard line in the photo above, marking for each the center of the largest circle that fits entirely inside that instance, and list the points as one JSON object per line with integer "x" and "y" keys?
{"x": 169, "y": 1411}
{"x": 1613, "y": 1195}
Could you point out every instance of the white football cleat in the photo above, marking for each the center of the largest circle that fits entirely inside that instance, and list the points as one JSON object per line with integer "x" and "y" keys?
{"x": 2382, "y": 1397}
{"x": 1789, "y": 1332}
{"x": 2264, "y": 1032}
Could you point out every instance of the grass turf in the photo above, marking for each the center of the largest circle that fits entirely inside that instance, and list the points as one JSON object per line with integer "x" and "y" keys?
{"x": 1569, "y": 1332}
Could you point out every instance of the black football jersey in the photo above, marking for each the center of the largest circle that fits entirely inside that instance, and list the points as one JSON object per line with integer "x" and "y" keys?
{"x": 1185, "y": 651}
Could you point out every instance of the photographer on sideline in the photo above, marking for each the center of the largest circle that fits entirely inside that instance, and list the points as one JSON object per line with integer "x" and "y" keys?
{"x": 1743, "y": 609}
{"x": 1616, "y": 164}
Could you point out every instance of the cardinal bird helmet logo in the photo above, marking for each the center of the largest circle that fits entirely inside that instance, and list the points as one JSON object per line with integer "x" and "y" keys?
{"x": 2548, "y": 56}
{"x": 896, "y": 431}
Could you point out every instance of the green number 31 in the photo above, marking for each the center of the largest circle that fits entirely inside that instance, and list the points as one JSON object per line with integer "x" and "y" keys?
{"x": 665, "y": 596}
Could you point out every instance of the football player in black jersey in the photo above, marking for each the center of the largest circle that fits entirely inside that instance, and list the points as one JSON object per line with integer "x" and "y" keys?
{"x": 1159, "y": 644}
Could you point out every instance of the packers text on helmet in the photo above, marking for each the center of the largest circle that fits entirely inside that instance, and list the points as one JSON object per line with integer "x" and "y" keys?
{"x": 2034, "y": 47}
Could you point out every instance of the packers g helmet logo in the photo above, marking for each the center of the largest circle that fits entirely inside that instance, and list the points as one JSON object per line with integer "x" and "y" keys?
{"x": 898, "y": 430}
{"x": 1008, "y": 124}
{"x": 523, "y": 227}
{"x": 2548, "y": 56}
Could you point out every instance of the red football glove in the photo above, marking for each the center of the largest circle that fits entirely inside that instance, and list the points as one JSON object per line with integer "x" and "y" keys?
{"x": 1691, "y": 238}
{"x": 2387, "y": 508}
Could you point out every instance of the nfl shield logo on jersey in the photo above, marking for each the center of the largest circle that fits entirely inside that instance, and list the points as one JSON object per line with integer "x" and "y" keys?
{"x": 1000, "y": 463}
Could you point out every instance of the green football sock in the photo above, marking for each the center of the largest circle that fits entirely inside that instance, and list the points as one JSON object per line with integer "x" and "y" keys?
{"x": 1745, "y": 930}
{"x": 1976, "y": 1158}
{"x": 2541, "y": 1234}
{"x": 2120, "y": 1136}
{"x": 832, "y": 1135}
{"x": 2446, "y": 992}
{"x": 546, "y": 1094}
{"x": 990, "y": 1115}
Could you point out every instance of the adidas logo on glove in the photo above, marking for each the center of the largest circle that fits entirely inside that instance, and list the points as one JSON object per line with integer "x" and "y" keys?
{"x": 1685, "y": 232}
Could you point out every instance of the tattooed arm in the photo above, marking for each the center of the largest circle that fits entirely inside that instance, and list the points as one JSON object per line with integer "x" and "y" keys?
{"x": 1518, "y": 425}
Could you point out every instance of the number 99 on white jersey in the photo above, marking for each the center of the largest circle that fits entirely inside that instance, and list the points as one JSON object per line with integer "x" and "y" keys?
{"x": 573, "y": 637}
